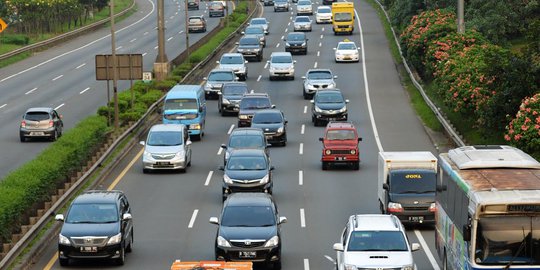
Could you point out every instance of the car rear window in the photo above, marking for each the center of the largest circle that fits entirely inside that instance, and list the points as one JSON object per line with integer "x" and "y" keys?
{"x": 267, "y": 118}
{"x": 319, "y": 75}
{"x": 340, "y": 134}
{"x": 254, "y": 103}
{"x": 37, "y": 116}
{"x": 164, "y": 138}
{"x": 221, "y": 76}
{"x": 246, "y": 142}
{"x": 282, "y": 59}
{"x": 295, "y": 36}
{"x": 234, "y": 90}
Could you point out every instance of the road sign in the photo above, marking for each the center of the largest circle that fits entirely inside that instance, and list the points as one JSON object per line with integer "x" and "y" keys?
{"x": 129, "y": 67}
{"x": 147, "y": 76}
{"x": 3, "y": 25}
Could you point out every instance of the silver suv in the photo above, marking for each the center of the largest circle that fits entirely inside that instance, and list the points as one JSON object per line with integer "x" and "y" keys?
{"x": 167, "y": 147}
{"x": 281, "y": 65}
{"x": 41, "y": 122}
{"x": 215, "y": 80}
{"x": 374, "y": 242}
{"x": 317, "y": 79}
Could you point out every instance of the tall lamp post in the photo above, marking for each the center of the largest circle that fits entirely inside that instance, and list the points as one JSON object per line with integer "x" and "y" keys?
{"x": 161, "y": 66}
{"x": 460, "y": 18}
{"x": 114, "y": 67}
{"x": 187, "y": 30}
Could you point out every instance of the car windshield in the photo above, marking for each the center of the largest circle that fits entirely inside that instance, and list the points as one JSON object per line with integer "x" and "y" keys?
{"x": 267, "y": 118}
{"x": 258, "y": 21}
{"x": 248, "y": 216}
{"x": 180, "y": 104}
{"x": 302, "y": 19}
{"x": 240, "y": 163}
{"x": 234, "y": 90}
{"x": 221, "y": 76}
{"x": 324, "y": 10}
{"x": 281, "y": 59}
{"x": 319, "y": 75}
{"x": 164, "y": 138}
{"x": 304, "y": 3}
{"x": 346, "y": 46}
{"x": 92, "y": 213}
{"x": 329, "y": 98}
{"x": 404, "y": 182}
{"x": 254, "y": 103}
{"x": 254, "y": 30}
{"x": 340, "y": 134}
{"x": 37, "y": 116}
{"x": 231, "y": 60}
{"x": 343, "y": 17}
{"x": 249, "y": 41}
{"x": 295, "y": 37}
{"x": 377, "y": 241}
{"x": 243, "y": 141}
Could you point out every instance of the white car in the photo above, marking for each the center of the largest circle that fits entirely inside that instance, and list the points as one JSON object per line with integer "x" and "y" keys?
{"x": 236, "y": 62}
{"x": 261, "y": 22}
{"x": 346, "y": 51}
{"x": 281, "y": 65}
{"x": 302, "y": 23}
{"x": 304, "y": 7}
{"x": 323, "y": 14}
{"x": 374, "y": 242}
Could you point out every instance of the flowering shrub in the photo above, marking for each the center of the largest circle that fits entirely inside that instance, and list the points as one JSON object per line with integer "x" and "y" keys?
{"x": 524, "y": 130}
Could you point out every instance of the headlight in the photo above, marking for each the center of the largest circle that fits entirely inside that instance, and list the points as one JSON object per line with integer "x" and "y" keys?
{"x": 63, "y": 240}
{"x": 227, "y": 154}
{"x": 350, "y": 267}
{"x": 394, "y": 207}
{"x": 243, "y": 116}
{"x": 353, "y": 152}
{"x": 256, "y": 50}
{"x": 280, "y": 130}
{"x": 274, "y": 241}
{"x": 331, "y": 85}
{"x": 287, "y": 44}
{"x": 227, "y": 179}
{"x": 180, "y": 155}
{"x": 344, "y": 109}
{"x": 317, "y": 109}
{"x": 115, "y": 239}
{"x": 407, "y": 267}
{"x": 222, "y": 242}
{"x": 328, "y": 152}
{"x": 264, "y": 180}
{"x": 147, "y": 155}
{"x": 225, "y": 101}
{"x": 239, "y": 50}
{"x": 209, "y": 85}
{"x": 195, "y": 126}
{"x": 303, "y": 44}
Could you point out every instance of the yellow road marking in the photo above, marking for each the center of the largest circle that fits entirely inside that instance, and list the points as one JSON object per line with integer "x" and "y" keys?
{"x": 51, "y": 262}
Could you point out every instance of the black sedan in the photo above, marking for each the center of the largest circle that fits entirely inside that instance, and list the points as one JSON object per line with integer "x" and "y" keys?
{"x": 273, "y": 124}
{"x": 328, "y": 105}
{"x": 296, "y": 42}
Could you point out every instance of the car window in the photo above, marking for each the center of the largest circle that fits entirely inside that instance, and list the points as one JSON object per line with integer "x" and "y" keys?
{"x": 246, "y": 163}
{"x": 254, "y": 30}
{"x": 346, "y": 46}
{"x": 254, "y": 103}
{"x": 248, "y": 216}
{"x": 92, "y": 213}
{"x": 302, "y": 19}
{"x": 221, "y": 76}
{"x": 329, "y": 98}
{"x": 234, "y": 90}
{"x": 243, "y": 141}
{"x": 249, "y": 41}
{"x": 258, "y": 21}
{"x": 340, "y": 134}
{"x": 304, "y": 3}
{"x": 180, "y": 104}
{"x": 231, "y": 60}
{"x": 164, "y": 138}
{"x": 267, "y": 118}
{"x": 319, "y": 75}
{"x": 377, "y": 241}
{"x": 195, "y": 20}
{"x": 37, "y": 116}
{"x": 324, "y": 10}
{"x": 281, "y": 59}
{"x": 343, "y": 17}
{"x": 295, "y": 37}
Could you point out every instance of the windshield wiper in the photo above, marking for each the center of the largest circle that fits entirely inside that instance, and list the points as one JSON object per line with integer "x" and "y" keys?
{"x": 521, "y": 246}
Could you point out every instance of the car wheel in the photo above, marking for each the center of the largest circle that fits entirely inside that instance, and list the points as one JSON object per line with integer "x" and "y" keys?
{"x": 313, "y": 119}
{"x": 356, "y": 166}
{"x": 271, "y": 78}
{"x": 324, "y": 165}
{"x": 122, "y": 259}
{"x": 23, "y": 139}
{"x": 145, "y": 170}
{"x": 276, "y": 265}
{"x": 306, "y": 96}
{"x": 54, "y": 136}
{"x": 129, "y": 248}
{"x": 63, "y": 261}
{"x": 446, "y": 266}
{"x": 196, "y": 137}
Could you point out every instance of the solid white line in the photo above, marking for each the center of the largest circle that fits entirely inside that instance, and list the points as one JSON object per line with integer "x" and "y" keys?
{"x": 59, "y": 106}
{"x": 119, "y": 47}
{"x": 220, "y": 151}
{"x": 34, "y": 89}
{"x": 210, "y": 173}
{"x": 144, "y": 54}
{"x": 259, "y": 78}
{"x": 302, "y": 218}
{"x": 265, "y": 65}
{"x": 81, "y": 65}
{"x": 305, "y": 109}
{"x": 318, "y": 53}
{"x": 300, "y": 177}
{"x": 321, "y": 36}
{"x": 230, "y": 129}
{"x": 426, "y": 250}
{"x": 301, "y": 150}
{"x": 58, "y": 77}
{"x": 306, "y": 264}
{"x": 87, "y": 88}
{"x": 133, "y": 40}
{"x": 169, "y": 39}
{"x": 193, "y": 217}
{"x": 303, "y": 129}
{"x": 315, "y": 66}
{"x": 3, "y": 105}
{"x": 277, "y": 45}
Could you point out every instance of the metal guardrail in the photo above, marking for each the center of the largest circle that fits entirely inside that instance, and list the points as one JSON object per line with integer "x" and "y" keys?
{"x": 454, "y": 135}
{"x": 40, "y": 224}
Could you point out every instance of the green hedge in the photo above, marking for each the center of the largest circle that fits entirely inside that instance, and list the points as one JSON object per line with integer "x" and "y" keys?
{"x": 15, "y": 39}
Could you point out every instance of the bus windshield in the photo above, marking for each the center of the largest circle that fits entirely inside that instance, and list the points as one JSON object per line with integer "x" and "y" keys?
{"x": 180, "y": 104}
{"x": 501, "y": 240}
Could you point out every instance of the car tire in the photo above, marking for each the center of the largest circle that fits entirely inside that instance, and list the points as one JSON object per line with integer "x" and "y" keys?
{"x": 276, "y": 265}
{"x": 356, "y": 166}
{"x": 63, "y": 262}
{"x": 196, "y": 137}
{"x": 54, "y": 136}
{"x": 129, "y": 247}
{"x": 325, "y": 165}
{"x": 291, "y": 78}
{"x": 271, "y": 78}
{"x": 446, "y": 265}
{"x": 122, "y": 259}
{"x": 145, "y": 170}
{"x": 23, "y": 139}
{"x": 313, "y": 119}
{"x": 306, "y": 96}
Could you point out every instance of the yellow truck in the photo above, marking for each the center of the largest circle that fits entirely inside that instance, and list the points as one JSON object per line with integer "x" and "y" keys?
{"x": 211, "y": 265}
{"x": 343, "y": 17}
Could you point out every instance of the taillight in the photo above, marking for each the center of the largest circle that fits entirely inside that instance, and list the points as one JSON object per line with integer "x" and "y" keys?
{"x": 51, "y": 123}
{"x": 23, "y": 123}
{"x": 394, "y": 207}
{"x": 433, "y": 207}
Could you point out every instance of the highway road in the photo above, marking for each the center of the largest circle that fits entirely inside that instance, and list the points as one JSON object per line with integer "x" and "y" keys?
{"x": 63, "y": 77}
{"x": 171, "y": 211}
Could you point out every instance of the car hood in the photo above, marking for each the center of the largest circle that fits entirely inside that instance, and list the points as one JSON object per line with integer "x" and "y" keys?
{"x": 164, "y": 149}
{"x": 246, "y": 175}
{"x": 330, "y": 106}
{"x": 231, "y": 66}
{"x": 379, "y": 259}
{"x": 295, "y": 42}
{"x": 90, "y": 229}
{"x": 281, "y": 65}
{"x": 267, "y": 127}
{"x": 321, "y": 81}
{"x": 413, "y": 199}
{"x": 252, "y": 233}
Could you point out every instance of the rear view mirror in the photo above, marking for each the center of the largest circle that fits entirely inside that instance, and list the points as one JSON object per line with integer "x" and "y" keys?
{"x": 385, "y": 186}
{"x": 359, "y": 139}
{"x": 338, "y": 247}
{"x": 126, "y": 216}
{"x": 142, "y": 143}
{"x": 273, "y": 106}
{"x": 214, "y": 220}
{"x": 217, "y": 62}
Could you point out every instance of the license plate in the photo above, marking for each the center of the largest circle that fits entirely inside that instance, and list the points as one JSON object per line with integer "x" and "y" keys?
{"x": 162, "y": 163}
{"x": 88, "y": 249}
{"x": 37, "y": 133}
{"x": 346, "y": 58}
{"x": 247, "y": 254}
{"x": 341, "y": 158}
{"x": 416, "y": 219}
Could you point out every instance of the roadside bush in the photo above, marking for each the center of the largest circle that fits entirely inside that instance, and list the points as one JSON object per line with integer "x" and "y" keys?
{"x": 401, "y": 12}
{"x": 15, "y": 39}
{"x": 524, "y": 130}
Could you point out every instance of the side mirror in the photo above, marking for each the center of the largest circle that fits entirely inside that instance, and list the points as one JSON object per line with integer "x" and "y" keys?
{"x": 294, "y": 61}
{"x": 385, "y": 186}
{"x": 266, "y": 32}
{"x": 224, "y": 146}
{"x": 217, "y": 62}
{"x": 59, "y": 217}
{"x": 200, "y": 109}
{"x": 268, "y": 61}
{"x": 214, "y": 220}
{"x": 282, "y": 220}
{"x": 268, "y": 145}
{"x": 262, "y": 43}
{"x": 321, "y": 139}
{"x": 236, "y": 78}
{"x": 142, "y": 143}
{"x": 272, "y": 168}
{"x": 221, "y": 168}
{"x": 467, "y": 232}
{"x": 126, "y": 216}
{"x": 243, "y": 33}
{"x": 205, "y": 78}
{"x": 359, "y": 139}
{"x": 286, "y": 121}
{"x": 333, "y": 48}
{"x": 338, "y": 247}
{"x": 273, "y": 106}
{"x": 415, "y": 246}
{"x": 237, "y": 43}
{"x": 246, "y": 61}
{"x": 335, "y": 76}
{"x": 346, "y": 101}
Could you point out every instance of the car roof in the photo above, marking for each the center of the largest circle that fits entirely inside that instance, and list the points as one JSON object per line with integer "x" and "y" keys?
{"x": 340, "y": 125}
{"x": 167, "y": 127}
{"x": 319, "y": 70}
{"x": 246, "y": 131}
{"x": 40, "y": 109}
{"x": 256, "y": 95}
{"x": 232, "y": 55}
{"x": 98, "y": 196}
{"x": 249, "y": 199}
{"x": 375, "y": 222}
{"x": 248, "y": 152}
{"x": 235, "y": 84}
{"x": 183, "y": 91}
{"x": 219, "y": 70}
{"x": 324, "y": 7}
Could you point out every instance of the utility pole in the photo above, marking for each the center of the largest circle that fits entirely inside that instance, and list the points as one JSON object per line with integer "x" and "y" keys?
{"x": 161, "y": 66}
{"x": 187, "y": 31}
{"x": 114, "y": 66}
{"x": 460, "y": 17}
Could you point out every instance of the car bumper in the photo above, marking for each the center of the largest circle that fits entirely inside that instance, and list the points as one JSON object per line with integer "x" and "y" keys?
{"x": 106, "y": 252}
{"x": 276, "y": 138}
{"x": 172, "y": 164}
{"x": 302, "y": 12}
{"x": 331, "y": 117}
{"x": 323, "y": 20}
{"x": 244, "y": 122}
{"x": 292, "y": 49}
{"x": 193, "y": 6}
{"x": 336, "y": 158}
{"x": 282, "y": 73}
{"x": 196, "y": 29}
{"x": 230, "y": 108}
{"x": 37, "y": 133}
{"x": 251, "y": 187}
{"x": 250, "y": 54}
{"x": 283, "y": 8}
{"x": 216, "y": 13}
{"x": 349, "y": 58}
{"x": 314, "y": 88}
{"x": 262, "y": 254}
{"x": 416, "y": 217}
{"x": 212, "y": 91}
{"x": 302, "y": 28}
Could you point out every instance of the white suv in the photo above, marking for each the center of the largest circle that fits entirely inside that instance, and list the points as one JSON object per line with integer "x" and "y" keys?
{"x": 374, "y": 242}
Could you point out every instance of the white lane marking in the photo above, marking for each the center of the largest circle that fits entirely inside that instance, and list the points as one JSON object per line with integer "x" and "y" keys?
{"x": 181, "y": 32}
{"x": 322, "y": 36}
{"x": 318, "y": 53}
{"x": 320, "y": 44}
{"x": 193, "y": 217}
{"x": 176, "y": 13}
{"x": 81, "y": 65}
{"x": 265, "y": 65}
{"x": 118, "y": 48}
{"x": 290, "y": 18}
{"x": 426, "y": 250}
{"x": 322, "y": 29}
{"x": 300, "y": 177}
{"x": 145, "y": 33}
{"x": 289, "y": 24}
{"x": 210, "y": 173}
{"x": 301, "y": 149}
{"x": 330, "y": 259}
{"x": 302, "y": 218}
{"x": 58, "y": 77}
{"x": 155, "y": 48}
{"x": 219, "y": 151}
{"x": 277, "y": 45}
{"x": 87, "y": 88}
{"x": 306, "y": 264}
{"x": 230, "y": 129}
{"x": 305, "y": 109}
{"x": 169, "y": 39}
{"x": 286, "y": 30}
{"x": 4, "y": 105}
{"x": 144, "y": 54}
{"x": 303, "y": 129}
{"x": 172, "y": 17}
{"x": 315, "y": 66}
{"x": 29, "y": 92}
{"x": 259, "y": 78}
{"x": 133, "y": 40}
{"x": 282, "y": 37}
{"x": 59, "y": 106}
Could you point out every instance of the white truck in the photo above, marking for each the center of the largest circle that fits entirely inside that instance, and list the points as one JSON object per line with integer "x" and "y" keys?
{"x": 407, "y": 183}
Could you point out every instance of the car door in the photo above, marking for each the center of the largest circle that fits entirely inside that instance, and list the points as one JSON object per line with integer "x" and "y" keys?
{"x": 57, "y": 120}
{"x": 340, "y": 254}
{"x": 187, "y": 146}
{"x": 126, "y": 225}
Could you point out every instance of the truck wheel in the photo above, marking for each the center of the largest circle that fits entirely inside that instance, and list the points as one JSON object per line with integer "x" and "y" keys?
{"x": 324, "y": 165}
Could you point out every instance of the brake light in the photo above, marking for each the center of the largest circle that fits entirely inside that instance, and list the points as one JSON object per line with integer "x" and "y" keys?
{"x": 51, "y": 123}
{"x": 394, "y": 207}
{"x": 433, "y": 207}
{"x": 23, "y": 123}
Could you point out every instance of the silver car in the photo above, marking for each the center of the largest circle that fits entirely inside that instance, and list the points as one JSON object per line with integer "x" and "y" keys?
{"x": 167, "y": 147}
{"x": 317, "y": 79}
{"x": 262, "y": 22}
{"x": 281, "y": 65}
{"x": 302, "y": 23}
{"x": 282, "y": 5}
{"x": 41, "y": 122}
{"x": 304, "y": 7}
{"x": 215, "y": 80}
{"x": 236, "y": 62}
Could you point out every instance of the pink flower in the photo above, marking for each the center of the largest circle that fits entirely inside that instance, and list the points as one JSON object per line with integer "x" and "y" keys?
{"x": 524, "y": 127}
{"x": 517, "y": 137}
{"x": 507, "y": 137}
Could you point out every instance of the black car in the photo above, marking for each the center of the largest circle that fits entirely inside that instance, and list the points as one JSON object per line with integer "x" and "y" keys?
{"x": 273, "y": 124}
{"x": 193, "y": 4}
{"x": 41, "y": 122}
{"x": 328, "y": 105}
{"x": 250, "y": 47}
{"x": 230, "y": 96}
{"x": 245, "y": 138}
{"x": 249, "y": 104}
{"x": 296, "y": 42}
{"x": 249, "y": 230}
{"x": 98, "y": 225}
{"x": 268, "y": 2}
{"x": 247, "y": 170}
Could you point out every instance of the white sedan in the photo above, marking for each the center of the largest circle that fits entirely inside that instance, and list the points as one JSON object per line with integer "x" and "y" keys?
{"x": 302, "y": 23}
{"x": 323, "y": 14}
{"x": 347, "y": 51}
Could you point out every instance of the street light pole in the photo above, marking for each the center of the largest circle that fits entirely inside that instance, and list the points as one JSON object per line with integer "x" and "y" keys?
{"x": 187, "y": 31}
{"x": 460, "y": 18}
{"x": 161, "y": 66}
{"x": 114, "y": 67}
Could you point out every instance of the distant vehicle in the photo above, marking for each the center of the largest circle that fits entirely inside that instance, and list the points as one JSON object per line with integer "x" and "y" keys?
{"x": 193, "y": 4}
{"x": 167, "y": 147}
{"x": 273, "y": 124}
{"x": 304, "y": 7}
{"x": 236, "y": 62}
{"x": 98, "y": 225}
{"x": 250, "y": 47}
{"x": 252, "y": 216}
{"x": 323, "y": 14}
{"x": 245, "y": 138}
{"x": 249, "y": 104}
{"x": 231, "y": 94}
{"x": 317, "y": 79}
{"x": 328, "y": 105}
{"x": 256, "y": 30}
{"x": 328, "y": 2}
{"x": 302, "y": 23}
{"x": 186, "y": 104}
{"x": 343, "y": 17}
{"x": 281, "y": 5}
{"x": 216, "y": 8}
{"x": 196, "y": 24}
{"x": 41, "y": 122}
{"x": 268, "y": 2}
{"x": 215, "y": 80}
{"x": 296, "y": 42}
{"x": 374, "y": 242}
{"x": 340, "y": 145}
{"x": 262, "y": 22}
{"x": 281, "y": 65}
{"x": 346, "y": 51}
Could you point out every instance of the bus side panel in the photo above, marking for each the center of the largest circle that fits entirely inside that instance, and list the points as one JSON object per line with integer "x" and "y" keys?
{"x": 448, "y": 238}
{"x": 202, "y": 104}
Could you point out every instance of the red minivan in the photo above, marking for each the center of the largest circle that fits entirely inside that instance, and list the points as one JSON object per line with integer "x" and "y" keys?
{"x": 340, "y": 145}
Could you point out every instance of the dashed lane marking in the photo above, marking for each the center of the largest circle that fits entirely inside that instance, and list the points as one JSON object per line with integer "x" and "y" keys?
{"x": 81, "y": 65}
{"x": 301, "y": 149}
{"x": 32, "y": 90}
{"x": 208, "y": 178}
{"x": 58, "y": 77}
{"x": 230, "y": 129}
{"x": 87, "y": 88}
{"x": 300, "y": 177}
{"x": 302, "y": 218}
{"x": 305, "y": 109}
{"x": 193, "y": 217}
{"x": 303, "y": 129}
